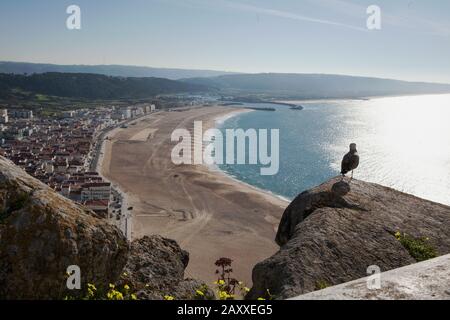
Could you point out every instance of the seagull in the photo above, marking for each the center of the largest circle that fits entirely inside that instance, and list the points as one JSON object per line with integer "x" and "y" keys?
{"x": 350, "y": 161}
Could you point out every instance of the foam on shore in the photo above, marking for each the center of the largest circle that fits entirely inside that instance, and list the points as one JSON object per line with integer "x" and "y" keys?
{"x": 219, "y": 121}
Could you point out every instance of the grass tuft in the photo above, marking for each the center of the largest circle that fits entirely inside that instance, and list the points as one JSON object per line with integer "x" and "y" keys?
{"x": 419, "y": 248}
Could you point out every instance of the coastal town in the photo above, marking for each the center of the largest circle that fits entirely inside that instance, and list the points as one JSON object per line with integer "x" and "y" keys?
{"x": 63, "y": 152}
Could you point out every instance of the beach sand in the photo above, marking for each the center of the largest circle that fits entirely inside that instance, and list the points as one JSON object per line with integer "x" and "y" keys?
{"x": 208, "y": 213}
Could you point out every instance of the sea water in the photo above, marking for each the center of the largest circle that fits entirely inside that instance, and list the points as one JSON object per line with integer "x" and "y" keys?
{"x": 403, "y": 143}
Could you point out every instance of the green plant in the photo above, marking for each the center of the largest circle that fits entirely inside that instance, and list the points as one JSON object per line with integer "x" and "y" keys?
{"x": 267, "y": 296}
{"x": 418, "y": 248}
{"x": 203, "y": 293}
{"x": 227, "y": 286}
{"x": 322, "y": 284}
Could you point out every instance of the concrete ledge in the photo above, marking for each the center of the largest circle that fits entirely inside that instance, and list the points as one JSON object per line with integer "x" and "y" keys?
{"x": 428, "y": 280}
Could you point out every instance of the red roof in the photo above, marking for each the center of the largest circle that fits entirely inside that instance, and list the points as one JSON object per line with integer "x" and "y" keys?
{"x": 104, "y": 203}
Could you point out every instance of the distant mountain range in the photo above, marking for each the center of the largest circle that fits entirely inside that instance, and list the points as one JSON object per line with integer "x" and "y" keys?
{"x": 109, "y": 70}
{"x": 92, "y": 86}
{"x": 116, "y": 82}
{"x": 311, "y": 86}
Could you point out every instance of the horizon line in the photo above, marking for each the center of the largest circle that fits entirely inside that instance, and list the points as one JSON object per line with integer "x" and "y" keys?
{"x": 216, "y": 70}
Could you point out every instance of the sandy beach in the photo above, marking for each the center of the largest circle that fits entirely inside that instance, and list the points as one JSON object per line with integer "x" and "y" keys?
{"x": 205, "y": 211}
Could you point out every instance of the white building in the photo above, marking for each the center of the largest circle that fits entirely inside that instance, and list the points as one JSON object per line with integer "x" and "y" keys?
{"x": 95, "y": 191}
{"x": 126, "y": 113}
{"x": 3, "y": 116}
{"x": 48, "y": 166}
{"x": 21, "y": 114}
{"x": 69, "y": 114}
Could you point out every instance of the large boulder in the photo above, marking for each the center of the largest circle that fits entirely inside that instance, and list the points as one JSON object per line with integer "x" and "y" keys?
{"x": 42, "y": 233}
{"x": 155, "y": 269}
{"x": 332, "y": 233}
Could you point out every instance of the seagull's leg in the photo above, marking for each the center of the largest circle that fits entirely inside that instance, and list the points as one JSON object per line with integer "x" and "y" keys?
{"x": 351, "y": 176}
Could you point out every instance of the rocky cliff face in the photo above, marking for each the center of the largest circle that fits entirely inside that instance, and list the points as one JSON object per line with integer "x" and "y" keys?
{"x": 156, "y": 269}
{"x": 332, "y": 233}
{"x": 42, "y": 233}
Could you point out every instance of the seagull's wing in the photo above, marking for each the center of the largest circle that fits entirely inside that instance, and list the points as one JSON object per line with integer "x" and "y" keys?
{"x": 355, "y": 161}
{"x": 345, "y": 164}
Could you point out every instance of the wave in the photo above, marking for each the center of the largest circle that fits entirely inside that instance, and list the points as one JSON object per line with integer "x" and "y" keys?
{"x": 221, "y": 119}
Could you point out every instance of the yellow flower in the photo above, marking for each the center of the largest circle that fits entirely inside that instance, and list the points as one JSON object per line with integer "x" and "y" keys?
{"x": 133, "y": 296}
{"x": 125, "y": 274}
{"x": 200, "y": 293}
{"x": 119, "y": 295}
{"x": 223, "y": 295}
{"x": 112, "y": 286}
{"x": 114, "y": 295}
{"x": 92, "y": 287}
{"x": 169, "y": 298}
{"x": 261, "y": 299}
{"x": 126, "y": 287}
{"x": 398, "y": 235}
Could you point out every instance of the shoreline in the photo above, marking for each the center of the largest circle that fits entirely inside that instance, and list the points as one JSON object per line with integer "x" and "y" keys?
{"x": 214, "y": 168}
{"x": 208, "y": 212}
{"x": 248, "y": 185}
{"x": 124, "y": 222}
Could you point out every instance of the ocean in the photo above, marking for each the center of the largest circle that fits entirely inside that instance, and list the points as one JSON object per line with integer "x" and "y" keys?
{"x": 403, "y": 143}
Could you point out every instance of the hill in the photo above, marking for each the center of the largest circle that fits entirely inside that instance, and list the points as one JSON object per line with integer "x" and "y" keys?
{"x": 92, "y": 86}
{"x": 315, "y": 86}
{"x": 109, "y": 70}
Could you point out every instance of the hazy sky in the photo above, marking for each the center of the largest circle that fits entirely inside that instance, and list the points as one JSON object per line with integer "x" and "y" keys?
{"x": 309, "y": 36}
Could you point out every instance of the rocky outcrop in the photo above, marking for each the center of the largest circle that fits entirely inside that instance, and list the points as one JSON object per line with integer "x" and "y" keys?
{"x": 42, "y": 233}
{"x": 156, "y": 269}
{"x": 332, "y": 233}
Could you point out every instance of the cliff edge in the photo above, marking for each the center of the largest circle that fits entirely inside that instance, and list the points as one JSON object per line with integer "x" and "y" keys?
{"x": 42, "y": 233}
{"x": 332, "y": 233}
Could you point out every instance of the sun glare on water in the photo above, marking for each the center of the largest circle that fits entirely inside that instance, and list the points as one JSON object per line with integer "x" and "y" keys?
{"x": 405, "y": 144}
